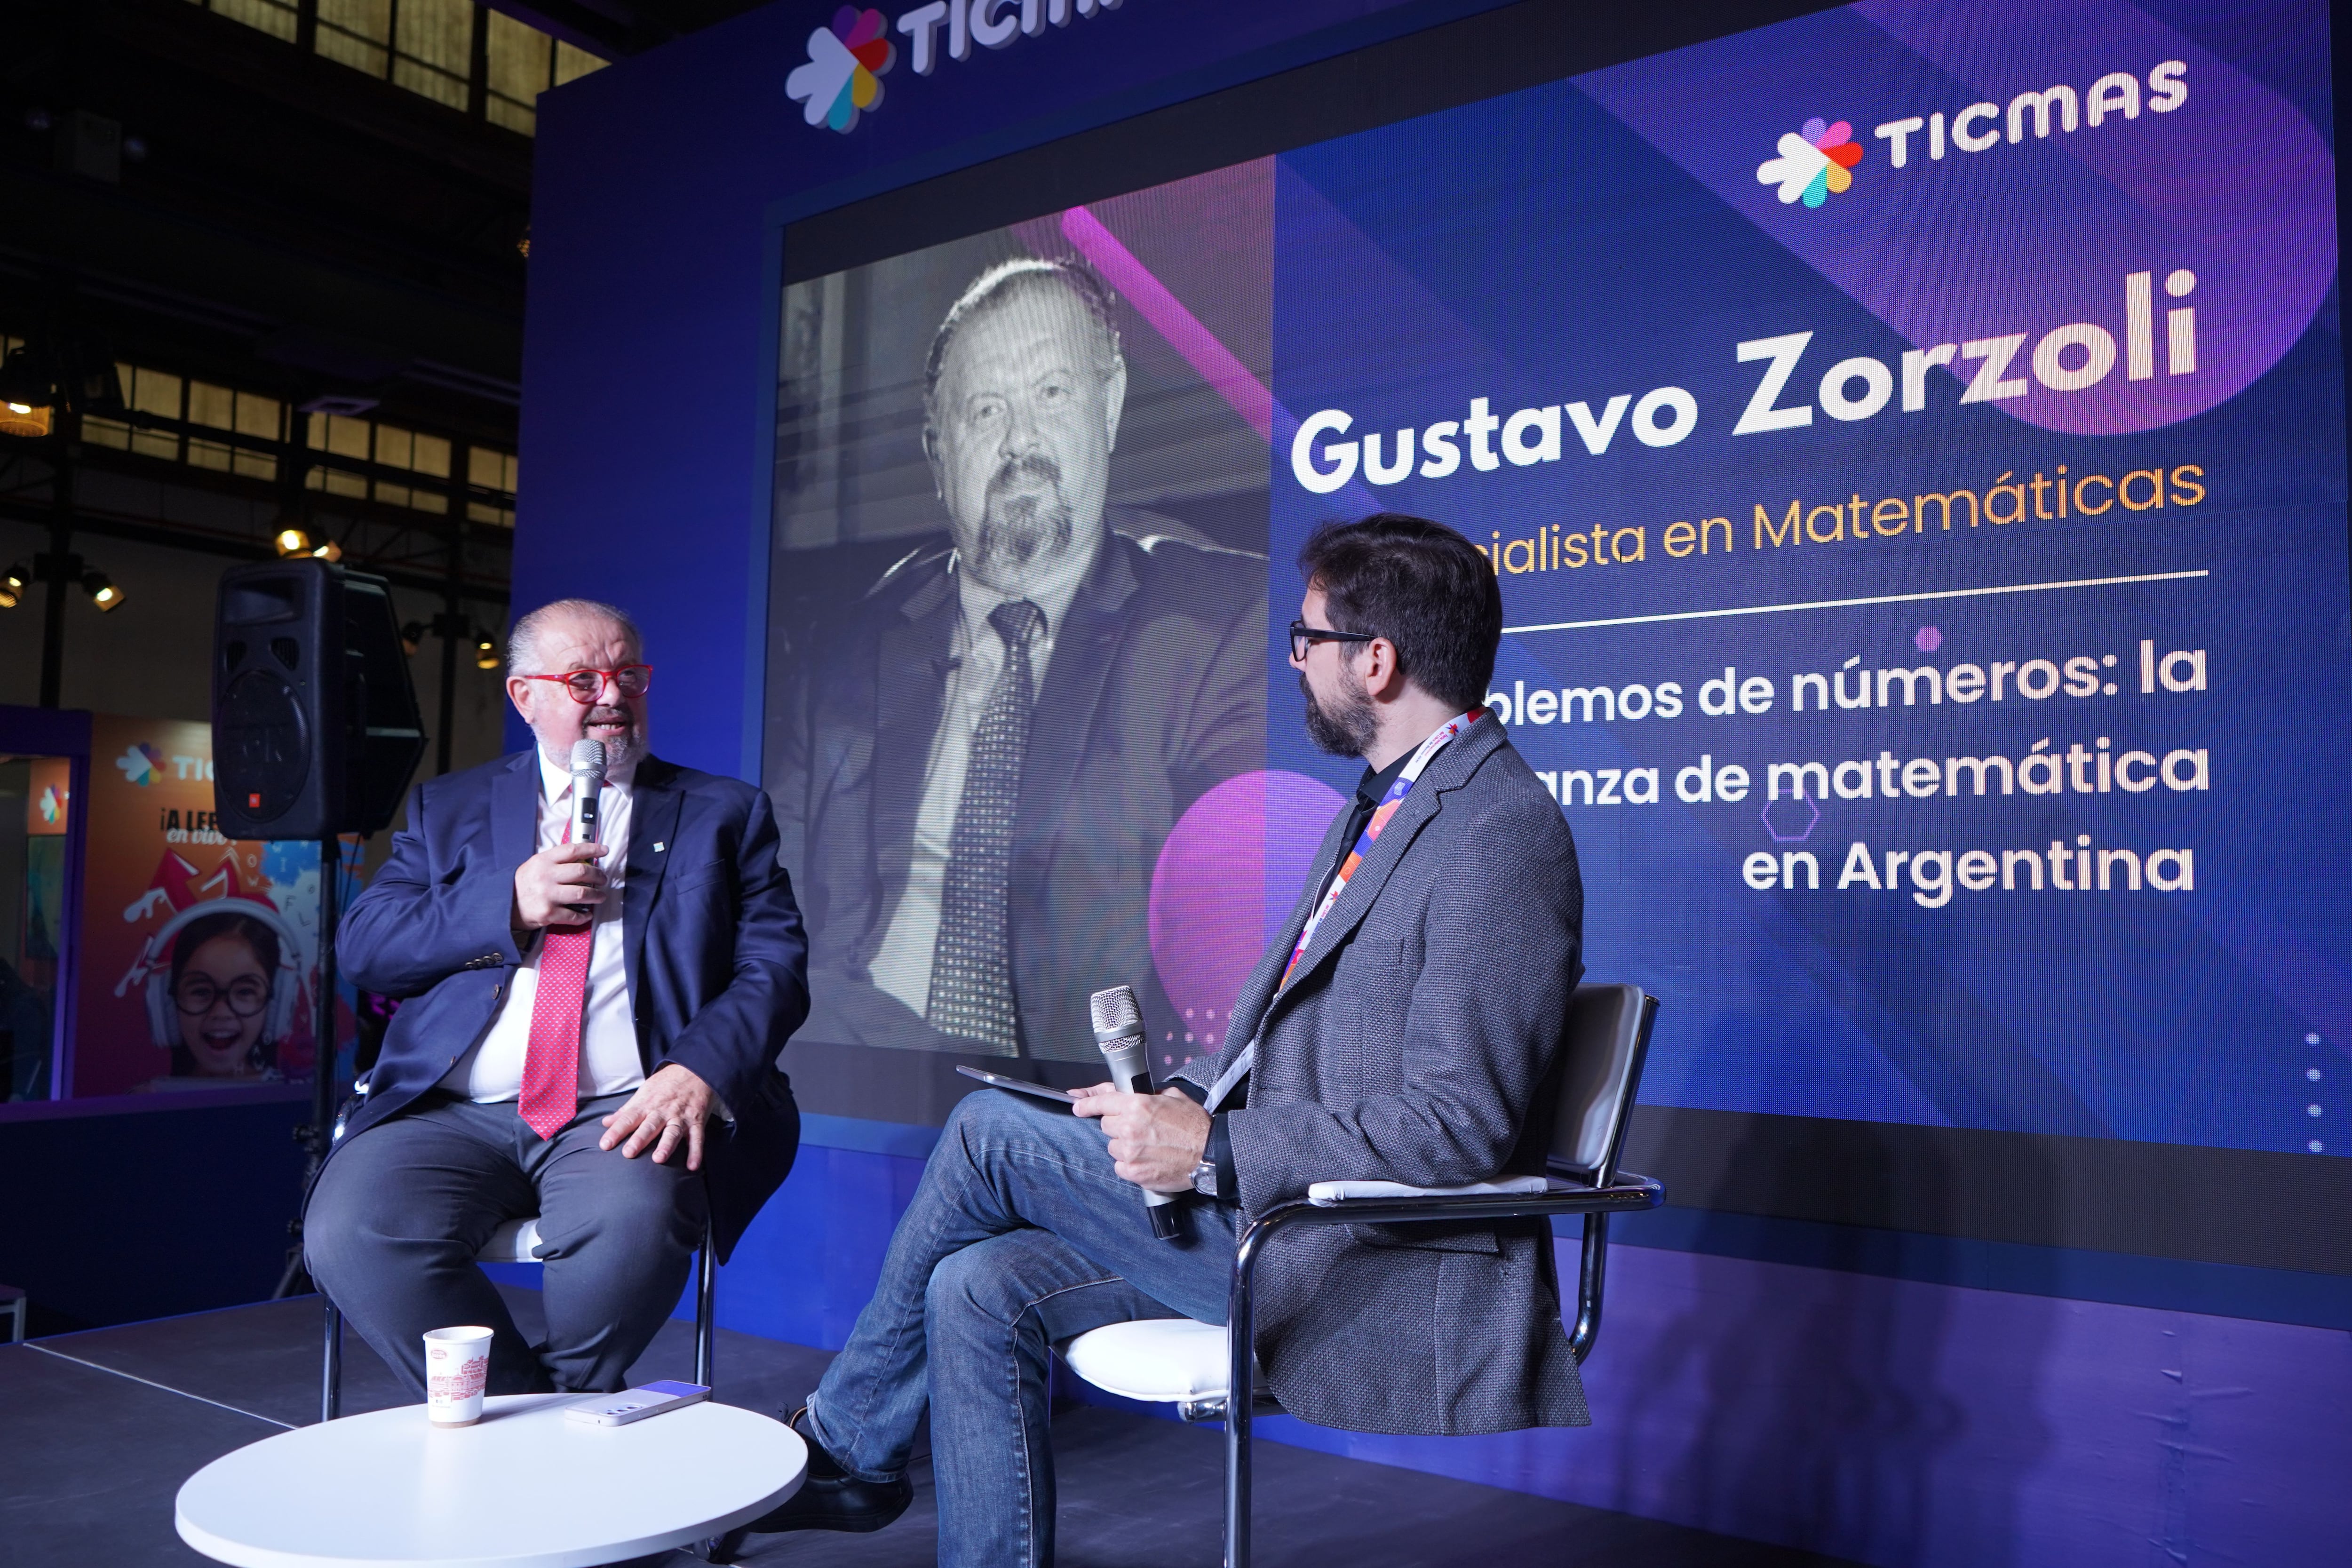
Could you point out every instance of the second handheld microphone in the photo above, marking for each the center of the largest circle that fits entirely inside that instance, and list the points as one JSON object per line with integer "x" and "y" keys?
{"x": 1118, "y": 1030}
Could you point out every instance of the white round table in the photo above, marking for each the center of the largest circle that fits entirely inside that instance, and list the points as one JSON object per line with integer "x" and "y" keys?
{"x": 524, "y": 1487}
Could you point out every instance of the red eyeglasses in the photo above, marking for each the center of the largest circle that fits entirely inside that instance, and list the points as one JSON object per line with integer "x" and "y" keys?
{"x": 587, "y": 684}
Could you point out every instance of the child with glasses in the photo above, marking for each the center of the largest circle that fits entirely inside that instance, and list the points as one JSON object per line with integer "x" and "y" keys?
{"x": 222, "y": 969}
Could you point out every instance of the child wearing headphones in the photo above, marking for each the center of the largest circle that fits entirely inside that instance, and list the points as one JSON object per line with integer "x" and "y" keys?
{"x": 221, "y": 982}
{"x": 223, "y": 974}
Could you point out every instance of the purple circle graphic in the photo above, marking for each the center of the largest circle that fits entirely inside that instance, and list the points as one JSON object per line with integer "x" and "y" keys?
{"x": 1929, "y": 640}
{"x": 1226, "y": 879}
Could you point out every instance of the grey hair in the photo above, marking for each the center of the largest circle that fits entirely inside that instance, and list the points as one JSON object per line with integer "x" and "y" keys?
{"x": 522, "y": 643}
{"x": 1007, "y": 281}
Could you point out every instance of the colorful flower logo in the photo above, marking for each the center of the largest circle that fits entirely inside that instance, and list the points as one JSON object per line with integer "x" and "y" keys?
{"x": 52, "y": 805}
{"x": 142, "y": 765}
{"x": 1813, "y": 161}
{"x": 845, "y": 66}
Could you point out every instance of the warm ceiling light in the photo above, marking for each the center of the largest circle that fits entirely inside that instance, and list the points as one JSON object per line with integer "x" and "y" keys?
{"x": 101, "y": 590}
{"x": 12, "y": 586}
{"x": 485, "y": 651}
{"x": 412, "y": 636}
{"x": 331, "y": 551}
{"x": 293, "y": 541}
{"x": 23, "y": 419}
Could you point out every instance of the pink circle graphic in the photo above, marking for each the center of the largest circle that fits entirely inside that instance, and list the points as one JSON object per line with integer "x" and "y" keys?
{"x": 1225, "y": 883}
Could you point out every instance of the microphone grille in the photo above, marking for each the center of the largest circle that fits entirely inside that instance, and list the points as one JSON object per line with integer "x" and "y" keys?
{"x": 587, "y": 756}
{"x": 1114, "y": 1012}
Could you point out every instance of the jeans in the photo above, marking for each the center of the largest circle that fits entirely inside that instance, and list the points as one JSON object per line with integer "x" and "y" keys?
{"x": 1019, "y": 1233}
{"x": 400, "y": 1211}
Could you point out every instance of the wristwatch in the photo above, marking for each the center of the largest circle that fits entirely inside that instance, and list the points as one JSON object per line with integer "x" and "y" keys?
{"x": 1204, "y": 1178}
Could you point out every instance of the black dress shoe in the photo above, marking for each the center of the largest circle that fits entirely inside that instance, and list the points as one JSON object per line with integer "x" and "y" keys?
{"x": 831, "y": 1499}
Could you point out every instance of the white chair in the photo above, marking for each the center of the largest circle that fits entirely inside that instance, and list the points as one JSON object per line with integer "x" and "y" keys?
{"x": 1194, "y": 1366}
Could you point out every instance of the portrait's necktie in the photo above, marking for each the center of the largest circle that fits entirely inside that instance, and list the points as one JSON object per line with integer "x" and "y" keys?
{"x": 972, "y": 966}
{"x": 551, "y": 1063}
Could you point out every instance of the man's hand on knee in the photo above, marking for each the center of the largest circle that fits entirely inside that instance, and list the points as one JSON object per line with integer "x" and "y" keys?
{"x": 667, "y": 1112}
{"x": 1155, "y": 1139}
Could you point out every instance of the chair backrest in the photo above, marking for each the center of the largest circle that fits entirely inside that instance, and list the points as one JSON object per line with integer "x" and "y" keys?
{"x": 1601, "y": 1072}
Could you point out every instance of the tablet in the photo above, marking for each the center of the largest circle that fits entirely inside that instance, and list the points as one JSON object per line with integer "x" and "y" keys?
{"x": 1018, "y": 1085}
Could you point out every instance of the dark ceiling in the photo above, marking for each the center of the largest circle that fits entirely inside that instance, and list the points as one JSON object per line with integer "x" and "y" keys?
{"x": 289, "y": 224}
{"x": 281, "y": 223}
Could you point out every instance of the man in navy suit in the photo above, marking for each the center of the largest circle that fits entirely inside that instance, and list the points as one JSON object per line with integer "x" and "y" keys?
{"x": 976, "y": 767}
{"x": 589, "y": 1032}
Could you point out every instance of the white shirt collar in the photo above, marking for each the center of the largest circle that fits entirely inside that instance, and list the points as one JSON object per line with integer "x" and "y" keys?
{"x": 977, "y": 598}
{"x": 555, "y": 778}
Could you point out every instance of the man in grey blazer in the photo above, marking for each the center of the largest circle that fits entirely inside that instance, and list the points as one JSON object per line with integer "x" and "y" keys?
{"x": 1405, "y": 1027}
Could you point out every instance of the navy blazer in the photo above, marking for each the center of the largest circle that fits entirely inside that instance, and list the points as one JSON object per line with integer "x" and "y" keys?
{"x": 1156, "y": 693}
{"x": 718, "y": 962}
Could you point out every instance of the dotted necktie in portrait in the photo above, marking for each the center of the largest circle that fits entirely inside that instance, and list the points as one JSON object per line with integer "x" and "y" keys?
{"x": 972, "y": 966}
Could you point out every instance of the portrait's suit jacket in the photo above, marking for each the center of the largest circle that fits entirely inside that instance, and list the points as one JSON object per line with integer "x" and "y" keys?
{"x": 1155, "y": 693}
{"x": 718, "y": 964}
{"x": 1420, "y": 1041}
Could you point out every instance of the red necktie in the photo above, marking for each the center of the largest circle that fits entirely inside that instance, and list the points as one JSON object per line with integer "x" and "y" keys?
{"x": 551, "y": 1063}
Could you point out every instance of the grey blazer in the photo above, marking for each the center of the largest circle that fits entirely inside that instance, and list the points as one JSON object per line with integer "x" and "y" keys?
{"x": 1419, "y": 1042}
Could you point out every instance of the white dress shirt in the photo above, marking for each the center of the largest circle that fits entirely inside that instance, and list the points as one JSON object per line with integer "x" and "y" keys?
{"x": 492, "y": 1069}
{"x": 903, "y": 965}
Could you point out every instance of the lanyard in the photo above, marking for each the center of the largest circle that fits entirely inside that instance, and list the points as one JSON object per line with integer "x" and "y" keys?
{"x": 1397, "y": 791}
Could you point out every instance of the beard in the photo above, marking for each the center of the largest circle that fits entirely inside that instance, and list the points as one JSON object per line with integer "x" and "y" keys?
{"x": 1020, "y": 528}
{"x": 1346, "y": 728}
{"x": 620, "y": 749}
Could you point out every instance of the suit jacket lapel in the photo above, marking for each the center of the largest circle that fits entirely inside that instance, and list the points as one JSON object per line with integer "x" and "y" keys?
{"x": 1258, "y": 991}
{"x": 1084, "y": 650}
{"x": 514, "y": 810}
{"x": 1448, "y": 771}
{"x": 655, "y": 801}
{"x": 911, "y": 687}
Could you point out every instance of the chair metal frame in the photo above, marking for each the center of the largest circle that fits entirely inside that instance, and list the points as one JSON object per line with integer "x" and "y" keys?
{"x": 1598, "y": 1194}
{"x": 706, "y": 1324}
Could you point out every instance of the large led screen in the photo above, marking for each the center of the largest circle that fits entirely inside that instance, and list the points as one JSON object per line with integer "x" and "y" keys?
{"x": 1911, "y": 442}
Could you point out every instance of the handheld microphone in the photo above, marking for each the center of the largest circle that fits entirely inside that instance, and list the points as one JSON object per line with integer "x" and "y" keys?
{"x": 587, "y": 787}
{"x": 1118, "y": 1030}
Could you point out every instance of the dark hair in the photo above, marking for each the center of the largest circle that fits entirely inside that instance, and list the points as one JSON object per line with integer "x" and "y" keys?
{"x": 256, "y": 935}
{"x": 1420, "y": 585}
{"x": 1007, "y": 281}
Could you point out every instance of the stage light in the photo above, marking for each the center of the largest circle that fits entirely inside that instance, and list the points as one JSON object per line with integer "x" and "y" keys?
{"x": 331, "y": 551}
{"x": 26, "y": 419}
{"x": 12, "y": 585}
{"x": 411, "y": 637}
{"x": 292, "y": 542}
{"x": 101, "y": 590}
{"x": 485, "y": 651}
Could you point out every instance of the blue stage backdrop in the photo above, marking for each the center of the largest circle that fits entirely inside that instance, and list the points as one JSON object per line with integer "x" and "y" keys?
{"x": 1910, "y": 439}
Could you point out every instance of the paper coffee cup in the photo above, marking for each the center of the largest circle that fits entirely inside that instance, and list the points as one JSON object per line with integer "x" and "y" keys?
{"x": 457, "y": 1370}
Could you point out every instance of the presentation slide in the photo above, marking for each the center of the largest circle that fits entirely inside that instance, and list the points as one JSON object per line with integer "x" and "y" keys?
{"x": 1910, "y": 440}
{"x": 1069, "y": 414}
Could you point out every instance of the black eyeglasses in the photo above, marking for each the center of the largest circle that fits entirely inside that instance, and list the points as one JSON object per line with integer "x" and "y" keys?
{"x": 1303, "y": 639}
{"x": 246, "y": 995}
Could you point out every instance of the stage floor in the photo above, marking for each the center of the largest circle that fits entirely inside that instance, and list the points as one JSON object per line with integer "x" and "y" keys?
{"x": 98, "y": 1429}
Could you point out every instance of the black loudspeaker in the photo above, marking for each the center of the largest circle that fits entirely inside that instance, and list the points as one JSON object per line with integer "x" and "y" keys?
{"x": 315, "y": 727}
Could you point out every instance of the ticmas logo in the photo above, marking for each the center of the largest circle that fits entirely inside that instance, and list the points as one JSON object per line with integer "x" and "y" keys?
{"x": 1814, "y": 160}
{"x": 845, "y": 66}
{"x": 142, "y": 763}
